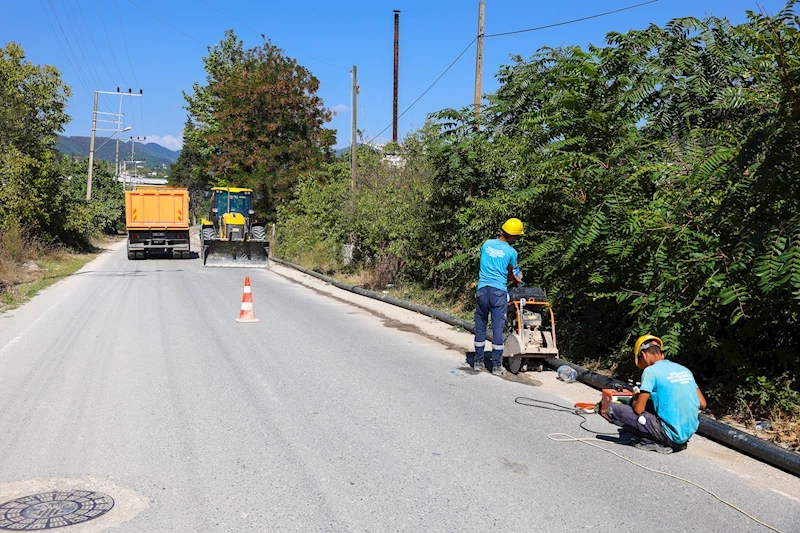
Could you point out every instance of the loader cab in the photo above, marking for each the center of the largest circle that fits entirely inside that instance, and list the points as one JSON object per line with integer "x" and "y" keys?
{"x": 231, "y": 200}
{"x": 231, "y": 211}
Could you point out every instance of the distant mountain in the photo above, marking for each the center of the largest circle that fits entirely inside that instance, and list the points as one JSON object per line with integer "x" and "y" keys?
{"x": 153, "y": 154}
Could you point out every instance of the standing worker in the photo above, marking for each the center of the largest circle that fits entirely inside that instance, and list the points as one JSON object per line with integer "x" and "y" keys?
{"x": 498, "y": 264}
{"x": 676, "y": 398}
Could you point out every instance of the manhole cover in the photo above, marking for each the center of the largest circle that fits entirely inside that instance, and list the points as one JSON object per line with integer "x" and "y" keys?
{"x": 49, "y": 510}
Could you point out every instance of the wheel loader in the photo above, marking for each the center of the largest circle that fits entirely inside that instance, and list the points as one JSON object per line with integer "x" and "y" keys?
{"x": 229, "y": 237}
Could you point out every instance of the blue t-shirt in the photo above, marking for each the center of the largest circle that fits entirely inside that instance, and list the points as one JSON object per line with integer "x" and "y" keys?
{"x": 674, "y": 393}
{"x": 496, "y": 256}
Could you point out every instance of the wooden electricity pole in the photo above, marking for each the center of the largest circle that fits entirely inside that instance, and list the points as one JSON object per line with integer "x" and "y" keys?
{"x": 396, "y": 71}
{"x": 479, "y": 64}
{"x": 354, "y": 130}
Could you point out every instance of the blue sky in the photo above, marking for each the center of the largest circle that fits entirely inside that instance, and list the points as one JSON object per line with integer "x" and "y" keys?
{"x": 145, "y": 53}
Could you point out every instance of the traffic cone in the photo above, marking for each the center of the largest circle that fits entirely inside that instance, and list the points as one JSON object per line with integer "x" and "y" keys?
{"x": 247, "y": 314}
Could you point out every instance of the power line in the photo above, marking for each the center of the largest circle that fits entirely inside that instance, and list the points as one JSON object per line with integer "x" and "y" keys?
{"x": 125, "y": 42}
{"x": 428, "y": 89}
{"x": 162, "y": 21}
{"x": 507, "y": 33}
{"x": 276, "y": 42}
{"x": 77, "y": 66}
{"x": 110, "y": 46}
{"x": 571, "y": 21}
{"x": 84, "y": 49}
{"x": 96, "y": 49}
{"x": 55, "y": 34}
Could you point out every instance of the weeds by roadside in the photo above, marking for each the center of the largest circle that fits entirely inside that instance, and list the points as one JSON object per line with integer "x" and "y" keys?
{"x": 27, "y": 266}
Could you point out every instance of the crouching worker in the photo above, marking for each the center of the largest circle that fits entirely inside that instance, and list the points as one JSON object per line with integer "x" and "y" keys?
{"x": 667, "y": 424}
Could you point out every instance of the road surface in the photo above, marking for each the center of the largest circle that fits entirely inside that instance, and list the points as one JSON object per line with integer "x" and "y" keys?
{"x": 132, "y": 378}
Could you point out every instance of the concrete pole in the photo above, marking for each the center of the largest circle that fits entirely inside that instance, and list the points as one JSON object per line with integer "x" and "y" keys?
{"x": 479, "y": 64}
{"x": 396, "y": 72}
{"x": 116, "y": 162}
{"x": 91, "y": 150}
{"x": 354, "y": 130}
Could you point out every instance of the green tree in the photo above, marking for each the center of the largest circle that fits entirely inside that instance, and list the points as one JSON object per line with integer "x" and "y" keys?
{"x": 32, "y": 112}
{"x": 269, "y": 124}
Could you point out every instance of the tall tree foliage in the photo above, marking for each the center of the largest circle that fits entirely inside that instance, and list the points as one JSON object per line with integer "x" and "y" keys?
{"x": 32, "y": 103}
{"x": 257, "y": 122}
{"x": 658, "y": 176}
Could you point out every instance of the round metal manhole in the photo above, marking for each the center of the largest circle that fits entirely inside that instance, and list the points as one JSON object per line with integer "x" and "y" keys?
{"x": 49, "y": 510}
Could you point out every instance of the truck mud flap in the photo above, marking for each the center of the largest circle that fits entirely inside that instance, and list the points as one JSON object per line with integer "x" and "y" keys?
{"x": 232, "y": 254}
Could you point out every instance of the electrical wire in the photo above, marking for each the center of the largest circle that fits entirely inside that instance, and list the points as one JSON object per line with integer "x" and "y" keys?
{"x": 276, "y": 42}
{"x": 591, "y": 441}
{"x": 94, "y": 44}
{"x": 55, "y": 34}
{"x": 541, "y": 404}
{"x": 570, "y": 21}
{"x": 564, "y": 437}
{"x": 125, "y": 42}
{"x": 103, "y": 99}
{"x": 110, "y": 46}
{"x": 426, "y": 90}
{"x": 77, "y": 66}
{"x": 162, "y": 21}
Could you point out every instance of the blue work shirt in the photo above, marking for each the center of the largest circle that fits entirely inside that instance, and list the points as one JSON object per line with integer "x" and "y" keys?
{"x": 674, "y": 393}
{"x": 496, "y": 256}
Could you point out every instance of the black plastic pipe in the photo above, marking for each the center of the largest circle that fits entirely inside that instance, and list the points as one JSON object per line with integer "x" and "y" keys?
{"x": 738, "y": 440}
{"x": 433, "y": 313}
{"x": 765, "y": 451}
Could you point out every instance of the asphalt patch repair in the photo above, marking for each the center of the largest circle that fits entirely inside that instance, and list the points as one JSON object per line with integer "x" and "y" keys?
{"x": 49, "y": 510}
{"x": 83, "y": 504}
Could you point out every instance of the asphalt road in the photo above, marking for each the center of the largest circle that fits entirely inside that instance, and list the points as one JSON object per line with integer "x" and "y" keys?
{"x": 134, "y": 378}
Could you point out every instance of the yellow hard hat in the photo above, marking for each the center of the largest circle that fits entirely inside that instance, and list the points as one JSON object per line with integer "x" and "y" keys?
{"x": 642, "y": 343}
{"x": 513, "y": 226}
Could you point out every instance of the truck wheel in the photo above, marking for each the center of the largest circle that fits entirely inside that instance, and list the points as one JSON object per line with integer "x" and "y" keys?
{"x": 139, "y": 255}
{"x": 131, "y": 255}
{"x": 258, "y": 233}
{"x": 186, "y": 255}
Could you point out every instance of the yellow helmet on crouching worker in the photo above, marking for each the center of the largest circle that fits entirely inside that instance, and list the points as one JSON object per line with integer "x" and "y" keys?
{"x": 642, "y": 343}
{"x": 513, "y": 226}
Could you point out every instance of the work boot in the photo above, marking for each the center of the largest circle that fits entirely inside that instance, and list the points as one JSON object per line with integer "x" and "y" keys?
{"x": 650, "y": 446}
{"x": 498, "y": 370}
{"x": 479, "y": 366}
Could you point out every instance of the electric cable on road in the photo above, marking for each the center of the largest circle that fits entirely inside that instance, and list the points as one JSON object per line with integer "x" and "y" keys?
{"x": 591, "y": 441}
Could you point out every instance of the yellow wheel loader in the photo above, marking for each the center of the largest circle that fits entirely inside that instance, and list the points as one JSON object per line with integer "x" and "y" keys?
{"x": 230, "y": 237}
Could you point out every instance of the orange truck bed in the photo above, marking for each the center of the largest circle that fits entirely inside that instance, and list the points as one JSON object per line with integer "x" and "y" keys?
{"x": 157, "y": 207}
{"x": 157, "y": 220}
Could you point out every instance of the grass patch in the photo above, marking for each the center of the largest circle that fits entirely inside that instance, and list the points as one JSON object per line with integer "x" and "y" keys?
{"x": 22, "y": 276}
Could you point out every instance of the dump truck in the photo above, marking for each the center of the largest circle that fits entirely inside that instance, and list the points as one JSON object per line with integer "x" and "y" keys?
{"x": 230, "y": 236}
{"x": 157, "y": 220}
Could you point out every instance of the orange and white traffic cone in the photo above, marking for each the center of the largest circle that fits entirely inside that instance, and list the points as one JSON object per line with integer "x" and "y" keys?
{"x": 247, "y": 314}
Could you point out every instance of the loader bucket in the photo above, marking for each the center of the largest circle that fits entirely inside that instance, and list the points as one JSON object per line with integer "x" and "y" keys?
{"x": 232, "y": 254}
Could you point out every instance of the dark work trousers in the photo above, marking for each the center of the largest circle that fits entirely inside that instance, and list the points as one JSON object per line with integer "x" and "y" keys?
{"x": 623, "y": 415}
{"x": 490, "y": 302}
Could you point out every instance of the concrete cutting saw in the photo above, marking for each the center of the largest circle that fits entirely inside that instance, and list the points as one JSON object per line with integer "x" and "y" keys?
{"x": 530, "y": 330}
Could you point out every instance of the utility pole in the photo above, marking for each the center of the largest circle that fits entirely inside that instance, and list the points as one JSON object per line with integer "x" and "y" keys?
{"x": 116, "y": 162}
{"x": 354, "y": 130}
{"x": 396, "y": 71}
{"x": 479, "y": 64}
{"x": 117, "y": 122}
{"x": 91, "y": 149}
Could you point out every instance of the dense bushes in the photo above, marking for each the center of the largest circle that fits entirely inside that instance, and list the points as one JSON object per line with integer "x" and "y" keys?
{"x": 658, "y": 177}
